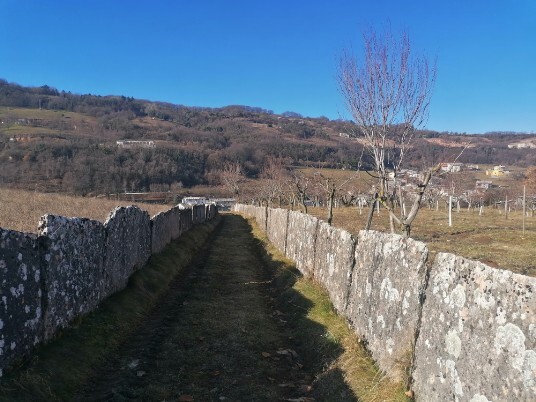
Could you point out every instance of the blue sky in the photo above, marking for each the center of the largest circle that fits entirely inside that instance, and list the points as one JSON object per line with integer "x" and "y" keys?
{"x": 278, "y": 55}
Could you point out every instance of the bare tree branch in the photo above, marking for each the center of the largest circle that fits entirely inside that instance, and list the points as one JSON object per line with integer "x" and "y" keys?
{"x": 387, "y": 91}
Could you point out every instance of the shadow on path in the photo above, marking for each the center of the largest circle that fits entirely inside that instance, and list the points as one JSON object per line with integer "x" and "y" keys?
{"x": 226, "y": 330}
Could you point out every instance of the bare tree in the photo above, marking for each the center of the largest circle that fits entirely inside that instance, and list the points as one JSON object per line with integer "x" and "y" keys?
{"x": 300, "y": 185}
{"x": 232, "y": 176}
{"x": 388, "y": 94}
{"x": 274, "y": 175}
{"x": 331, "y": 187}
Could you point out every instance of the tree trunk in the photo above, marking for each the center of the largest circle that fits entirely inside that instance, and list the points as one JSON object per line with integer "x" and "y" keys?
{"x": 371, "y": 212}
{"x": 330, "y": 206}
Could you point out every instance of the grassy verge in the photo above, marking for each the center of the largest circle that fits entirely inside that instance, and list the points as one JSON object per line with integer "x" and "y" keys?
{"x": 322, "y": 332}
{"x": 59, "y": 368}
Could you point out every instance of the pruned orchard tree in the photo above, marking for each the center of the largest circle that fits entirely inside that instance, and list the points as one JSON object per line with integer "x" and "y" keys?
{"x": 274, "y": 175}
{"x": 387, "y": 92}
{"x": 232, "y": 176}
{"x": 299, "y": 184}
{"x": 331, "y": 187}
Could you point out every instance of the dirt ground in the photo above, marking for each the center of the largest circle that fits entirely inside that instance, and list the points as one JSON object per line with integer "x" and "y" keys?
{"x": 217, "y": 335}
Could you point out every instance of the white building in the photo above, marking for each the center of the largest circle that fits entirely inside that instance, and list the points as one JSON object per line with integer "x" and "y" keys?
{"x": 135, "y": 144}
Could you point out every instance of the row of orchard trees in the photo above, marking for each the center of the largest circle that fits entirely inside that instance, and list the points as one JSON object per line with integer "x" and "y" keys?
{"x": 280, "y": 185}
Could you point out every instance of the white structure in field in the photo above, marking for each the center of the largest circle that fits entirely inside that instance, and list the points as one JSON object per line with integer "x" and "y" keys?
{"x": 135, "y": 144}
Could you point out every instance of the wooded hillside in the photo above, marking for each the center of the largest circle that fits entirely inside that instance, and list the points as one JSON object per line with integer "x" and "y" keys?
{"x": 53, "y": 140}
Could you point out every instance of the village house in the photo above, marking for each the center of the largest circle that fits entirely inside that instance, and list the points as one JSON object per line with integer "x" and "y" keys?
{"x": 484, "y": 185}
{"x": 452, "y": 167}
{"x": 497, "y": 171}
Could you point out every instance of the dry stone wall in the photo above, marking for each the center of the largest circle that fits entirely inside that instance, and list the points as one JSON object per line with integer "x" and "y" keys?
{"x": 65, "y": 271}
{"x": 128, "y": 245}
{"x": 386, "y": 291}
{"x": 301, "y": 241}
{"x": 73, "y": 270}
{"x": 21, "y": 309}
{"x": 334, "y": 263}
{"x": 466, "y": 331}
{"x": 161, "y": 233}
{"x": 165, "y": 226}
{"x": 478, "y": 334}
{"x": 277, "y": 227}
{"x": 198, "y": 213}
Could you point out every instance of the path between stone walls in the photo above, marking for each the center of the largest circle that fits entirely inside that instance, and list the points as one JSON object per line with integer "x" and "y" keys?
{"x": 476, "y": 324}
{"x": 215, "y": 336}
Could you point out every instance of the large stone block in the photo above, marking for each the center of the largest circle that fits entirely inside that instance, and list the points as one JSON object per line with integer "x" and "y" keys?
{"x": 161, "y": 231}
{"x": 74, "y": 279}
{"x": 175, "y": 222}
{"x": 186, "y": 220}
{"x": 198, "y": 212}
{"x": 387, "y": 287}
{"x": 20, "y": 292}
{"x": 277, "y": 227}
{"x": 334, "y": 262}
{"x": 127, "y": 247}
{"x": 301, "y": 241}
{"x": 261, "y": 216}
{"x": 477, "y": 340}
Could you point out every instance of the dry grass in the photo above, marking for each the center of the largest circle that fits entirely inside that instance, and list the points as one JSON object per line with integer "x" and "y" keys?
{"x": 491, "y": 238}
{"x": 20, "y": 210}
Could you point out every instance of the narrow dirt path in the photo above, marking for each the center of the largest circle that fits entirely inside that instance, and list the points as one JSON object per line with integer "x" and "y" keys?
{"x": 213, "y": 337}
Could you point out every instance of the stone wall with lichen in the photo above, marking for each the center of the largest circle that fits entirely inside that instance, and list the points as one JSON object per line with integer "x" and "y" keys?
{"x": 277, "y": 227}
{"x": 387, "y": 288}
{"x": 163, "y": 225}
{"x": 21, "y": 308}
{"x": 302, "y": 226}
{"x": 73, "y": 271}
{"x": 169, "y": 225}
{"x": 334, "y": 263}
{"x": 464, "y": 331}
{"x": 477, "y": 339}
{"x": 49, "y": 279}
{"x": 127, "y": 245}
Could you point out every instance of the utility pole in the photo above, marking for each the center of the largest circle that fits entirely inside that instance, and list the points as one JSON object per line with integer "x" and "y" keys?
{"x": 524, "y": 207}
{"x": 450, "y": 210}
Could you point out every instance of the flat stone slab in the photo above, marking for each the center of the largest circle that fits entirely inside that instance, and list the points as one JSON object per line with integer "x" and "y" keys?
{"x": 20, "y": 295}
{"x": 74, "y": 280}
{"x": 385, "y": 296}
{"x": 127, "y": 246}
{"x": 334, "y": 262}
{"x": 478, "y": 334}
{"x": 277, "y": 227}
{"x": 301, "y": 241}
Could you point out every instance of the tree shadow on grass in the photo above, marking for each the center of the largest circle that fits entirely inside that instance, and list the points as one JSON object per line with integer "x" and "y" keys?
{"x": 317, "y": 347}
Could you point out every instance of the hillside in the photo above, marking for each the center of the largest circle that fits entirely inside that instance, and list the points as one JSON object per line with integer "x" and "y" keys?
{"x": 53, "y": 140}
